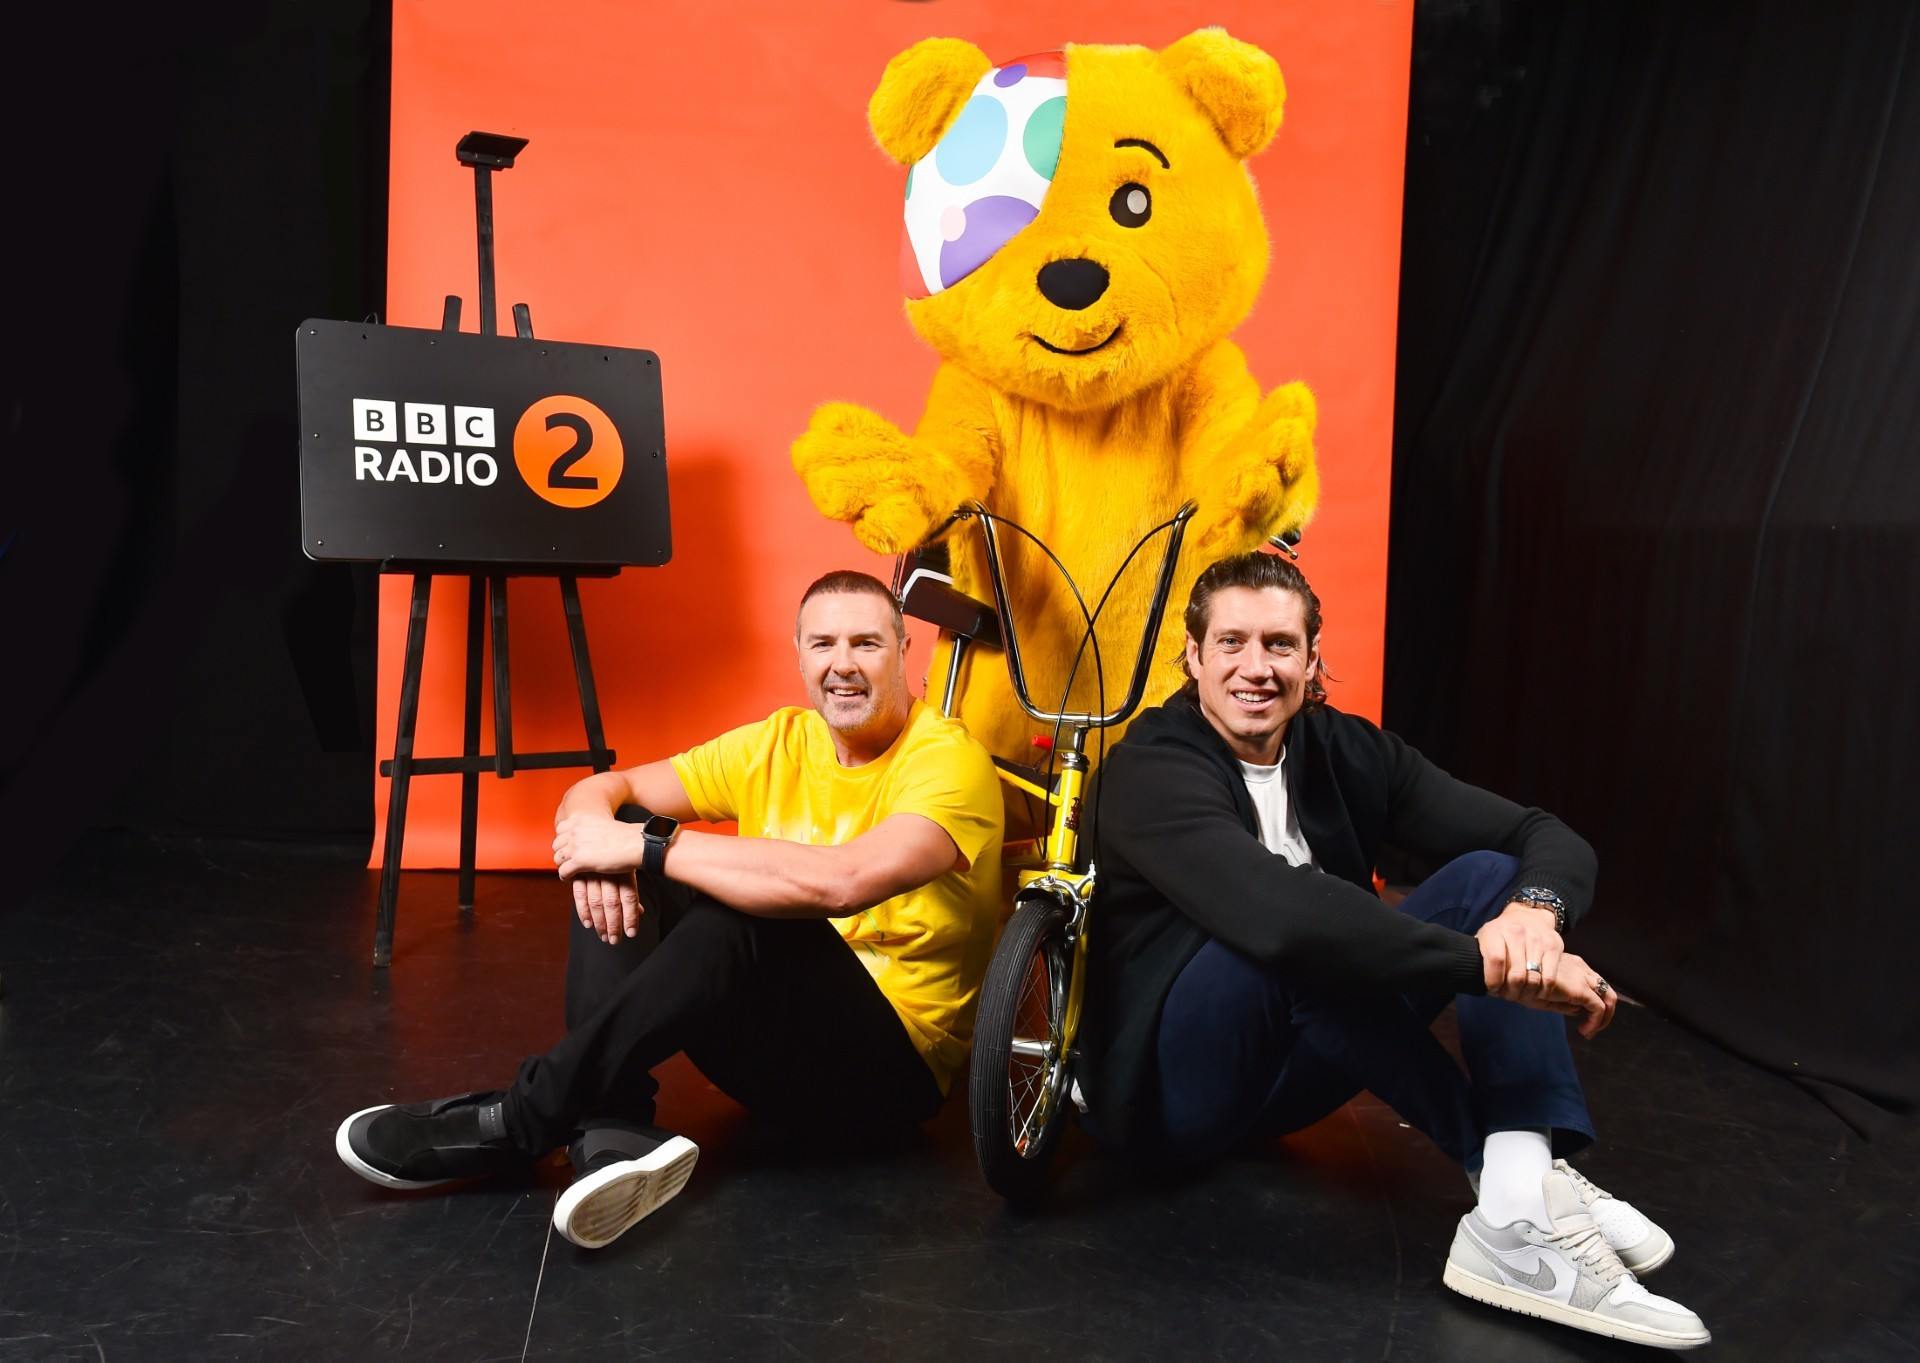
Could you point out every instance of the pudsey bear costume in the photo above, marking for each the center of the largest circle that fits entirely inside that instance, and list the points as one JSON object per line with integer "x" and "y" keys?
{"x": 1081, "y": 236}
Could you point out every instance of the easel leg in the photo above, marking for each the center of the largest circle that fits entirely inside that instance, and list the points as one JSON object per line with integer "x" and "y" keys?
{"x": 470, "y": 780}
{"x": 583, "y": 673}
{"x": 502, "y": 696}
{"x": 402, "y": 769}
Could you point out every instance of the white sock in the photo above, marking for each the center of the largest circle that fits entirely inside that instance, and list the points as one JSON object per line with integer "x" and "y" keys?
{"x": 1514, "y": 1164}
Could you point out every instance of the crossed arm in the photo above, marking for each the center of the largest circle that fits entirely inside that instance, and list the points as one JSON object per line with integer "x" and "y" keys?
{"x": 1441, "y": 811}
{"x": 1564, "y": 983}
{"x": 596, "y": 855}
{"x": 1168, "y": 813}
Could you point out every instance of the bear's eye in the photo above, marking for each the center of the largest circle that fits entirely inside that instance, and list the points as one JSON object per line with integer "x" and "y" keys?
{"x": 1131, "y": 205}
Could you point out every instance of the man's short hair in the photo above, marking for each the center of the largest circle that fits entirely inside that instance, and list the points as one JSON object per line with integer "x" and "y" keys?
{"x": 1256, "y": 571}
{"x": 851, "y": 581}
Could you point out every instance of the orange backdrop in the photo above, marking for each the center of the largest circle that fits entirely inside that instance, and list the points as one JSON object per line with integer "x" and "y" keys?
{"x": 701, "y": 182}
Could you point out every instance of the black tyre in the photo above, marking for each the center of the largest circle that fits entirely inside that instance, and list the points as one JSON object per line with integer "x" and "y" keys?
{"x": 1017, "y": 1086}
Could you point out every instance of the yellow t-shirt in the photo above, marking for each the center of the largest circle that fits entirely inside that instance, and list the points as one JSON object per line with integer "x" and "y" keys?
{"x": 928, "y": 948}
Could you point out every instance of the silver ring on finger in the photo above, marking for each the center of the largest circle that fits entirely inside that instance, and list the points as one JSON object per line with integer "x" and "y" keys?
{"x": 1533, "y": 967}
{"x": 1601, "y": 987}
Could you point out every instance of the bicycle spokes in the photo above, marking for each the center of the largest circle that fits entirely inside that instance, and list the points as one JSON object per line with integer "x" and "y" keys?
{"x": 1035, "y": 1064}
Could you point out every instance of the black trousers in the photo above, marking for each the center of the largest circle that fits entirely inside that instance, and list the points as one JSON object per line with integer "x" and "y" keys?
{"x": 777, "y": 1012}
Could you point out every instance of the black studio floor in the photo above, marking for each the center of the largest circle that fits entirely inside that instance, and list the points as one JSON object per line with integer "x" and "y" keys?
{"x": 186, "y": 1021}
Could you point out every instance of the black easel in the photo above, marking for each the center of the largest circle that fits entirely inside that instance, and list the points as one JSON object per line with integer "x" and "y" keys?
{"x": 486, "y": 588}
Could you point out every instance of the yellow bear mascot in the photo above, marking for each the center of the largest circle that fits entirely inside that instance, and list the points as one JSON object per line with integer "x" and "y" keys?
{"x": 1081, "y": 238}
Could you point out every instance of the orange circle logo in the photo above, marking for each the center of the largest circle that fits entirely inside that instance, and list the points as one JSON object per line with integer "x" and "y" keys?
{"x": 568, "y": 451}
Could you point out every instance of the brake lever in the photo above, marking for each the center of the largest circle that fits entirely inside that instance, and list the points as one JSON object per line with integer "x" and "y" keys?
{"x": 1287, "y": 544}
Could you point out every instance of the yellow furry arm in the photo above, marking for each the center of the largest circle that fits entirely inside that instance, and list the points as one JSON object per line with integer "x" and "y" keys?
{"x": 1261, "y": 480}
{"x": 894, "y": 488}
{"x": 959, "y": 425}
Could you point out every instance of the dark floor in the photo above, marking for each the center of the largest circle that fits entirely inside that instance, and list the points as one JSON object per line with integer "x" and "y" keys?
{"x": 185, "y": 1022}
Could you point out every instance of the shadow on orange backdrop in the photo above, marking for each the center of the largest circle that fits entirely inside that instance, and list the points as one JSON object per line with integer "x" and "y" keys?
{"x": 702, "y": 183}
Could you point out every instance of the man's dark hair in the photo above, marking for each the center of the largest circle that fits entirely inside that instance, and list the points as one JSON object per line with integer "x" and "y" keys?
{"x": 850, "y": 581}
{"x": 1255, "y": 570}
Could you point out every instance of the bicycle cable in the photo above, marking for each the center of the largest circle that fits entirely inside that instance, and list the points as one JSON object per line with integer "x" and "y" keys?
{"x": 991, "y": 520}
{"x": 1089, "y": 639}
{"x": 1093, "y": 816}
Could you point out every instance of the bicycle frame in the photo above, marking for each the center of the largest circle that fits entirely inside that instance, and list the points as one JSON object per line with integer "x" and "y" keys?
{"x": 1052, "y": 866}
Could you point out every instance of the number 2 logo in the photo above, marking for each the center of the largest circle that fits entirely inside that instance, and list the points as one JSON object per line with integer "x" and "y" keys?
{"x": 568, "y": 451}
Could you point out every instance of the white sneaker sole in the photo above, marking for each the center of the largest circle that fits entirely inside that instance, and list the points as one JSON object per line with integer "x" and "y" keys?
{"x": 599, "y": 1208}
{"x": 1655, "y": 1257}
{"x": 367, "y": 1171}
{"x": 1469, "y": 1284}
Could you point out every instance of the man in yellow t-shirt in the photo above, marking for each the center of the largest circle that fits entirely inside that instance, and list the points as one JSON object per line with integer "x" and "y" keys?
{"x": 822, "y": 967}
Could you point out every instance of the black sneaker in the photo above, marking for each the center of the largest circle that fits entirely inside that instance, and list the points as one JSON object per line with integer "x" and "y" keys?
{"x": 620, "y": 1177}
{"x": 421, "y": 1144}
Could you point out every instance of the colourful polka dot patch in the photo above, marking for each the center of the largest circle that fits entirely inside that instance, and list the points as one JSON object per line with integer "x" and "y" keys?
{"x": 986, "y": 178}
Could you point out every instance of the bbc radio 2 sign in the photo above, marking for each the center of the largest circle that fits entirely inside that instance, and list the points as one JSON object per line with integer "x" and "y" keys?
{"x": 423, "y": 447}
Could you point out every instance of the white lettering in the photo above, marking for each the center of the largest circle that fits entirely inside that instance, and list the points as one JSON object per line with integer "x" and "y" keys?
{"x": 373, "y": 420}
{"x": 473, "y": 425}
{"x": 426, "y": 423}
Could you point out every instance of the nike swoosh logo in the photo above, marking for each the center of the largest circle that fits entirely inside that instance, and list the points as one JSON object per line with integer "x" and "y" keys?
{"x": 1542, "y": 1278}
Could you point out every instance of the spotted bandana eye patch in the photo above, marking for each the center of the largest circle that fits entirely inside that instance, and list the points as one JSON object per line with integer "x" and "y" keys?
{"x": 986, "y": 178}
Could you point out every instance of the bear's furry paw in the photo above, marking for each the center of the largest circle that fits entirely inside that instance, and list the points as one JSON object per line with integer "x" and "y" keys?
{"x": 1280, "y": 435}
{"x": 1267, "y": 483}
{"x": 861, "y": 468}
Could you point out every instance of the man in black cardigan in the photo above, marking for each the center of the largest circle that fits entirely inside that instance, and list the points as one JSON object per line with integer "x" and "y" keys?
{"x": 1247, "y": 980}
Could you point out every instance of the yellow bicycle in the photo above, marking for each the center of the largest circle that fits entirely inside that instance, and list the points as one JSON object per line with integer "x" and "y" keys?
{"x": 1030, "y": 1002}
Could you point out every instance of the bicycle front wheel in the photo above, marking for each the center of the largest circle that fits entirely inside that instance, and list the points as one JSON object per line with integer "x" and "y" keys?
{"x": 1017, "y": 1086}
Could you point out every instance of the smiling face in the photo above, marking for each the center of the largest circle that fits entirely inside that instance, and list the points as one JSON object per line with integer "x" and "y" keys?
{"x": 1251, "y": 670}
{"x": 854, "y": 664}
{"x": 1148, "y": 247}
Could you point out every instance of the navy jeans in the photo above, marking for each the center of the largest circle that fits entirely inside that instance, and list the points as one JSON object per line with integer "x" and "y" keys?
{"x": 1244, "y": 1054}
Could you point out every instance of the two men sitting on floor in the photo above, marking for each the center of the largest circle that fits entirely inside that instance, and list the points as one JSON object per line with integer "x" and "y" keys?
{"x": 1246, "y": 979}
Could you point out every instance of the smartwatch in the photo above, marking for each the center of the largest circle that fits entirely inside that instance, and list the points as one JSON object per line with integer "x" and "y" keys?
{"x": 1541, "y": 897}
{"x": 659, "y": 832}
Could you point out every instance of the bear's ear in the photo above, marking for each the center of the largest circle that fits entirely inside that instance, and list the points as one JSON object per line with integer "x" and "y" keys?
{"x": 1235, "y": 84}
{"x": 921, "y": 93}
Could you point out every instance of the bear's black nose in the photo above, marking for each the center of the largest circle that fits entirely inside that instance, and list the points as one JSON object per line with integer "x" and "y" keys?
{"x": 1073, "y": 284}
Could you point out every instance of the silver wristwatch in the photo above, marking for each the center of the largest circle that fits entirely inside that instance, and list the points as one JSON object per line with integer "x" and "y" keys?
{"x": 1542, "y": 897}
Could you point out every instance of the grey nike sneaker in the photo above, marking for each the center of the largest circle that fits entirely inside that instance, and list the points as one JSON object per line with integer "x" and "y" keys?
{"x": 1641, "y": 1245}
{"x": 1566, "y": 1272}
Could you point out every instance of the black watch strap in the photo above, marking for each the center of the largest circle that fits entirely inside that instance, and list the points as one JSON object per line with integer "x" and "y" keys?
{"x": 658, "y": 833}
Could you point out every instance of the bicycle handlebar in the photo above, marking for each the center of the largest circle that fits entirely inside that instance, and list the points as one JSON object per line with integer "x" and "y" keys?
{"x": 1016, "y": 669}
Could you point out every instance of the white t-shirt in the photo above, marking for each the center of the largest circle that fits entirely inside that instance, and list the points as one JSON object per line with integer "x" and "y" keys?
{"x": 1279, "y": 825}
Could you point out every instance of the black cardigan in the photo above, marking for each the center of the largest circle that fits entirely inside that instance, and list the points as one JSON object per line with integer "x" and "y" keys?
{"x": 1180, "y": 862}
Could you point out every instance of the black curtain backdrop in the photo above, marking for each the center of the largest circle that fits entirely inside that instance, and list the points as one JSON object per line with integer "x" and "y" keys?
{"x": 189, "y": 185}
{"x": 1655, "y": 559}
